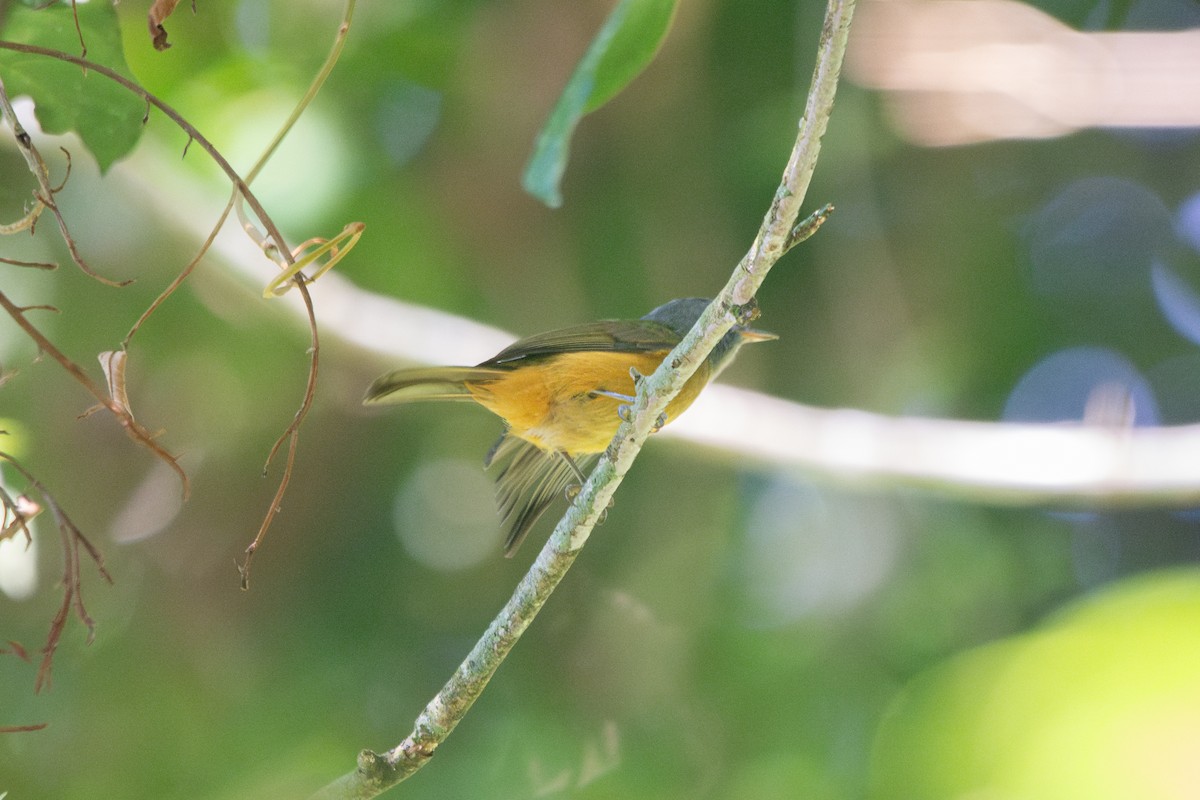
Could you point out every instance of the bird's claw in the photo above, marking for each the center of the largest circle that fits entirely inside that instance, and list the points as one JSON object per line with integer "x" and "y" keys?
{"x": 747, "y": 312}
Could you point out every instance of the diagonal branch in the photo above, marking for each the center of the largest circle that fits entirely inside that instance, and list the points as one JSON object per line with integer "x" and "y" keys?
{"x": 377, "y": 772}
{"x": 980, "y": 461}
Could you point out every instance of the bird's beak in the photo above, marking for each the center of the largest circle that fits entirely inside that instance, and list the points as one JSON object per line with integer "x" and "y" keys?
{"x": 752, "y": 335}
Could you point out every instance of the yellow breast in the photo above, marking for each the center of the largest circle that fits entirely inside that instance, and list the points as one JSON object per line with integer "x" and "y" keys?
{"x": 553, "y": 403}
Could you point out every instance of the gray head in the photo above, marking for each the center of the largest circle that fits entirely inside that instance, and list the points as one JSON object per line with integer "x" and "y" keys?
{"x": 680, "y": 315}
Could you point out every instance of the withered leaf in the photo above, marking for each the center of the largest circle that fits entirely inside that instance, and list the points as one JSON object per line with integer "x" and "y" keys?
{"x": 17, "y": 515}
{"x": 158, "y": 12}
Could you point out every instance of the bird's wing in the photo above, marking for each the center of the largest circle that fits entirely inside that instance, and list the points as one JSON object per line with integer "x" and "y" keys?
{"x": 528, "y": 481}
{"x": 627, "y": 336}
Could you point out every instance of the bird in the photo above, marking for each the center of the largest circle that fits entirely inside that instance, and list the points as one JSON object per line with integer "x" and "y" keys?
{"x": 559, "y": 394}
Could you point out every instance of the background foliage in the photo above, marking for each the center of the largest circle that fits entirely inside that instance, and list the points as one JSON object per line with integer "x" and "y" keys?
{"x": 731, "y": 632}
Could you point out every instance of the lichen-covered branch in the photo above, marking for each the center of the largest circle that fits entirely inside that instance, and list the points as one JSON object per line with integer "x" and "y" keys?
{"x": 377, "y": 772}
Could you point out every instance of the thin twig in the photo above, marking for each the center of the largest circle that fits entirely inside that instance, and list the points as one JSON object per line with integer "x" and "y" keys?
{"x": 241, "y": 191}
{"x": 292, "y": 433}
{"x": 377, "y": 772}
{"x": 45, "y": 198}
{"x": 73, "y": 541}
{"x": 326, "y": 69}
{"x": 175, "y": 116}
{"x": 972, "y": 460}
{"x": 18, "y": 512}
{"x": 15, "y": 262}
{"x": 135, "y": 430}
{"x": 78, "y": 29}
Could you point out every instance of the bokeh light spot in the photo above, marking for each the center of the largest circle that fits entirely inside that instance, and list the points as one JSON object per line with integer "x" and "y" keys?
{"x": 1179, "y": 302}
{"x": 307, "y": 175}
{"x": 1062, "y": 385}
{"x": 406, "y": 117}
{"x": 1187, "y": 222}
{"x": 814, "y": 552}
{"x": 18, "y": 562}
{"x": 1098, "y": 237}
{"x": 445, "y": 515}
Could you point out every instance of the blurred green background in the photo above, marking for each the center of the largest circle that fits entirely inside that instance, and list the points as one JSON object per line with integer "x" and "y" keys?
{"x": 730, "y": 632}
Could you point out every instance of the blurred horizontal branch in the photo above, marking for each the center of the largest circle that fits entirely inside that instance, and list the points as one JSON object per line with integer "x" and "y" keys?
{"x": 995, "y": 462}
{"x": 956, "y": 72}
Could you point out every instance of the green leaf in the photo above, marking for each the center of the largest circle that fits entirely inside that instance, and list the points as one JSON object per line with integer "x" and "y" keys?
{"x": 626, "y": 43}
{"x": 107, "y": 117}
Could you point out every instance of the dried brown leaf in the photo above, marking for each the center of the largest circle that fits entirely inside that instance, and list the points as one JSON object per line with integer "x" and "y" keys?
{"x": 159, "y": 12}
{"x": 18, "y": 513}
{"x": 17, "y": 649}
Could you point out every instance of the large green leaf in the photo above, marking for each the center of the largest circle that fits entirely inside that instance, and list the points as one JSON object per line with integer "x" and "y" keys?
{"x": 626, "y": 43}
{"x": 1093, "y": 705}
{"x": 107, "y": 117}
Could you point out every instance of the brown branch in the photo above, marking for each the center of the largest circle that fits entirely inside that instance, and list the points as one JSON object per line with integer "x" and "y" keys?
{"x": 14, "y": 262}
{"x": 78, "y": 29}
{"x": 46, "y": 196}
{"x": 138, "y": 433}
{"x": 18, "y": 513}
{"x": 291, "y": 435}
{"x": 176, "y": 117}
{"x": 73, "y": 542}
{"x": 180, "y": 278}
{"x": 241, "y": 190}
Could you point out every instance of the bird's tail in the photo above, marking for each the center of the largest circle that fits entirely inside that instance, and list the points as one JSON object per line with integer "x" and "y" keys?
{"x": 427, "y": 383}
{"x": 529, "y": 480}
